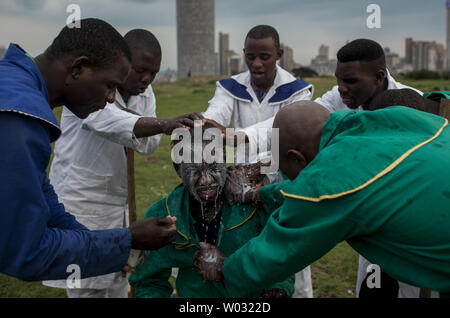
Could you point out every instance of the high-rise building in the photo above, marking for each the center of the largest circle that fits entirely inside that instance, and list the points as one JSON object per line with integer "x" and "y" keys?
{"x": 425, "y": 55}
{"x": 287, "y": 60}
{"x": 408, "y": 50}
{"x": 195, "y": 38}
{"x": 235, "y": 64}
{"x": 321, "y": 64}
{"x": 323, "y": 52}
{"x": 224, "y": 48}
{"x": 448, "y": 35}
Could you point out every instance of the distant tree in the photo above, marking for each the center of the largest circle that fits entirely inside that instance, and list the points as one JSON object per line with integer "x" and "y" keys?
{"x": 423, "y": 74}
{"x": 304, "y": 72}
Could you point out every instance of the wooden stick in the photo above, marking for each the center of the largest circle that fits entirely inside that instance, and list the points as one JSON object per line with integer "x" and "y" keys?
{"x": 131, "y": 187}
{"x": 131, "y": 195}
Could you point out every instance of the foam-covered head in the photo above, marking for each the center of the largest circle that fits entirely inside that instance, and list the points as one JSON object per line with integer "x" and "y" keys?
{"x": 201, "y": 162}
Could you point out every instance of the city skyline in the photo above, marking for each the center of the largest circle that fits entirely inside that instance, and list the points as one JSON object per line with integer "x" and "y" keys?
{"x": 303, "y": 25}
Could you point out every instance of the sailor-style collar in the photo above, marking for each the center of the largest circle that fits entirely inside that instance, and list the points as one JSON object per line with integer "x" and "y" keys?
{"x": 239, "y": 86}
{"x": 23, "y": 90}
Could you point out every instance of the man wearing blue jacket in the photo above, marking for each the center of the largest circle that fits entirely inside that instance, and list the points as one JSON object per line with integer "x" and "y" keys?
{"x": 38, "y": 239}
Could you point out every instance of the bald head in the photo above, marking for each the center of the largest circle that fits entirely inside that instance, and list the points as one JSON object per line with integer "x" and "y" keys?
{"x": 300, "y": 129}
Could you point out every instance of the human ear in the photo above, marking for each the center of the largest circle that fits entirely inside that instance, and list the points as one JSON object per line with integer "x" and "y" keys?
{"x": 297, "y": 159}
{"x": 380, "y": 75}
{"x": 77, "y": 66}
{"x": 280, "y": 53}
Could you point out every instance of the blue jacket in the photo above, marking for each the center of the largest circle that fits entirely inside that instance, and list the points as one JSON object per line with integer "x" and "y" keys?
{"x": 38, "y": 238}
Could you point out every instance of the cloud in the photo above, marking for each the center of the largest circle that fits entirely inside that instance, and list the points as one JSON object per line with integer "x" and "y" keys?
{"x": 303, "y": 25}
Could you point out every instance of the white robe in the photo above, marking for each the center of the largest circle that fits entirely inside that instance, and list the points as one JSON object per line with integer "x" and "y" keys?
{"x": 235, "y": 101}
{"x": 89, "y": 168}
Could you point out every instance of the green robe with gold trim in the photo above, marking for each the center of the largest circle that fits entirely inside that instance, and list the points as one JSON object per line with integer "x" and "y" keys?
{"x": 381, "y": 181}
{"x": 240, "y": 224}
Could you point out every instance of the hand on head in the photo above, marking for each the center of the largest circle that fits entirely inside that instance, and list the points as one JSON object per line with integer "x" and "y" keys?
{"x": 244, "y": 182}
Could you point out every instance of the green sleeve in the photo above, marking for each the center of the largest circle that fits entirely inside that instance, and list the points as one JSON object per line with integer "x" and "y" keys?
{"x": 287, "y": 285}
{"x": 271, "y": 196}
{"x": 296, "y": 235}
{"x": 151, "y": 280}
{"x": 437, "y": 96}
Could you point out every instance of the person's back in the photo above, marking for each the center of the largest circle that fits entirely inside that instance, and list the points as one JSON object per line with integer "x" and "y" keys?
{"x": 389, "y": 184}
{"x": 386, "y": 195}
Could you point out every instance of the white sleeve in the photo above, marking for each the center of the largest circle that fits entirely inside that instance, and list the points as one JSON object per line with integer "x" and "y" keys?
{"x": 330, "y": 99}
{"x": 148, "y": 145}
{"x": 254, "y": 134}
{"x": 114, "y": 124}
{"x": 220, "y": 107}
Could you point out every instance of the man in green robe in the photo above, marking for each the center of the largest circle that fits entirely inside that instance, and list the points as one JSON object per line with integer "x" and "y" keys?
{"x": 203, "y": 215}
{"x": 379, "y": 180}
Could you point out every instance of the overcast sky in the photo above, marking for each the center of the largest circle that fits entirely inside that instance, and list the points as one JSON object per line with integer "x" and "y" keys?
{"x": 303, "y": 24}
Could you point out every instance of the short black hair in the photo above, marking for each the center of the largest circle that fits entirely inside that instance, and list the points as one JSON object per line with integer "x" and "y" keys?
{"x": 363, "y": 50}
{"x": 96, "y": 39}
{"x": 404, "y": 97}
{"x": 264, "y": 31}
{"x": 144, "y": 38}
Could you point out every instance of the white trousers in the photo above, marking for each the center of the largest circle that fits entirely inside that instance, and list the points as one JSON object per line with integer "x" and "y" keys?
{"x": 303, "y": 284}
{"x": 118, "y": 289}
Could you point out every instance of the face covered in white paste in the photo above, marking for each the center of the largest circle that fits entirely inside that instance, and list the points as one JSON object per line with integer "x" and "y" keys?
{"x": 204, "y": 181}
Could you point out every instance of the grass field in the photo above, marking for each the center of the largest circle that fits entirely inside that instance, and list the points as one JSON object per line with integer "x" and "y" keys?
{"x": 334, "y": 275}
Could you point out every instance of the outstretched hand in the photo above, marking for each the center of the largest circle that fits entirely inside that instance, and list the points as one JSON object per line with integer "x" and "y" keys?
{"x": 209, "y": 261}
{"x": 183, "y": 121}
{"x": 152, "y": 233}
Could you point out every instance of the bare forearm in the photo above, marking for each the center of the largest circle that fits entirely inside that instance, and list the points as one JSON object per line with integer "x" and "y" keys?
{"x": 149, "y": 126}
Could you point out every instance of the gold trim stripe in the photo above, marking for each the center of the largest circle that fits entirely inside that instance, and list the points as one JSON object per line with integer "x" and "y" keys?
{"x": 250, "y": 216}
{"x": 388, "y": 169}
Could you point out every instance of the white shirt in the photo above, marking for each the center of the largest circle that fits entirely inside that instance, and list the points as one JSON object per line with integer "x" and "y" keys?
{"x": 235, "y": 99}
{"x": 332, "y": 100}
{"x": 89, "y": 168}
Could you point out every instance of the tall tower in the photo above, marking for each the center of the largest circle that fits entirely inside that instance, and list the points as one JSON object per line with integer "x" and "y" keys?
{"x": 224, "y": 48}
{"x": 448, "y": 35}
{"x": 195, "y": 38}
